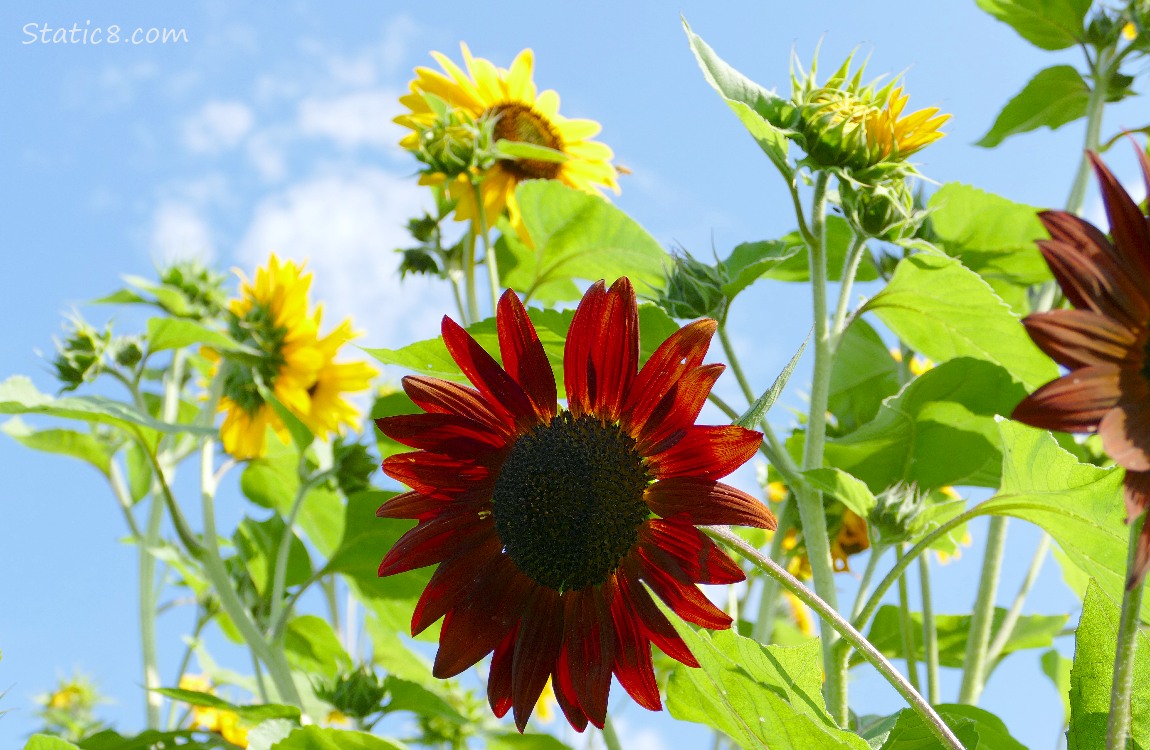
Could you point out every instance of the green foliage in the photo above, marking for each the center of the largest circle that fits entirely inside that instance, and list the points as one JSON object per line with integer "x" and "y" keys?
{"x": 759, "y": 696}
{"x": 48, "y": 742}
{"x": 848, "y": 490}
{"x": 1031, "y": 631}
{"x": 91, "y": 448}
{"x": 1054, "y": 97}
{"x": 317, "y": 738}
{"x": 1047, "y": 24}
{"x": 258, "y": 543}
{"x": 526, "y": 741}
{"x": 1057, "y": 668}
{"x": 976, "y": 728}
{"x": 863, "y": 374}
{"x": 1092, "y": 676}
{"x": 758, "y": 410}
{"x": 252, "y": 714}
{"x": 313, "y": 647}
{"x": 942, "y": 309}
{"x": 786, "y": 259}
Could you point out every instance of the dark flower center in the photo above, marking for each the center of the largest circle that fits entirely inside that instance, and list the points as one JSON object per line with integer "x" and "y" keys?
{"x": 569, "y": 501}
{"x": 516, "y": 122}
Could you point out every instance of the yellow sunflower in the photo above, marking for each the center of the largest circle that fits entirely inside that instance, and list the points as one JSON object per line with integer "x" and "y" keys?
{"x": 327, "y": 410}
{"x": 221, "y": 721}
{"x": 520, "y": 114}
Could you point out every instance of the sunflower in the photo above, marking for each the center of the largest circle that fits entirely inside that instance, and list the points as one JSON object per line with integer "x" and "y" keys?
{"x": 327, "y": 409}
{"x": 509, "y": 98}
{"x": 550, "y": 524}
{"x": 1104, "y": 340}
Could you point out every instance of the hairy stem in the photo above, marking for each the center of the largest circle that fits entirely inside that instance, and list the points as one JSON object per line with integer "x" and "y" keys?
{"x": 929, "y": 632}
{"x": 1100, "y": 78}
{"x": 1118, "y": 728}
{"x": 974, "y": 663}
{"x": 906, "y": 625}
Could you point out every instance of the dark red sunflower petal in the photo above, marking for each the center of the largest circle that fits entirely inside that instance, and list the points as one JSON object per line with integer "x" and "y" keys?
{"x": 682, "y": 352}
{"x": 704, "y": 502}
{"x": 499, "y": 680}
{"x": 451, "y": 583}
{"x": 565, "y": 694}
{"x": 523, "y": 356}
{"x": 449, "y": 434}
{"x": 536, "y": 651}
{"x": 1127, "y": 222}
{"x": 1080, "y": 338}
{"x": 578, "y": 367}
{"x": 421, "y": 507}
{"x": 444, "y": 397}
{"x": 477, "y": 627}
{"x": 486, "y": 374}
{"x": 589, "y": 639}
{"x": 706, "y": 452}
{"x": 1075, "y": 402}
{"x": 667, "y": 580}
{"x": 699, "y": 559}
{"x": 1125, "y": 429}
{"x": 1136, "y": 490}
{"x": 1091, "y": 273}
{"x": 438, "y": 476}
{"x": 633, "y": 656}
{"x": 677, "y": 411}
{"x": 656, "y": 627}
{"x": 433, "y": 541}
{"x": 602, "y": 353}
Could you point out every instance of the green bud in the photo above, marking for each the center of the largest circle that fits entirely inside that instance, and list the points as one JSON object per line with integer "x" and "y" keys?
{"x": 357, "y": 694}
{"x": 455, "y": 144}
{"x": 885, "y": 211}
{"x": 694, "y": 289}
{"x": 80, "y": 357}
{"x": 192, "y": 290}
{"x": 127, "y": 352}
{"x": 893, "y": 518}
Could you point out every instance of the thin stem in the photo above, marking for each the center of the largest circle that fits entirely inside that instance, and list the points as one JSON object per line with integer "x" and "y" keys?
{"x": 876, "y": 555}
{"x": 469, "y": 273}
{"x": 609, "y": 737}
{"x": 811, "y": 511}
{"x": 124, "y": 500}
{"x": 736, "y": 368}
{"x": 283, "y": 553}
{"x": 845, "y": 629}
{"x": 850, "y": 270}
{"x": 458, "y": 299}
{"x": 148, "y": 597}
{"x": 1007, "y": 627}
{"x": 974, "y": 663}
{"x": 1100, "y": 77}
{"x": 201, "y": 620}
{"x": 1118, "y": 728}
{"x": 929, "y": 631}
{"x": 488, "y": 248}
{"x": 229, "y": 600}
{"x": 906, "y": 625}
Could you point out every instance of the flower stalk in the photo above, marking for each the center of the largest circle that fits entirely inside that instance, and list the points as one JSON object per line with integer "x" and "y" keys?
{"x": 1118, "y": 728}
{"x": 929, "y": 632}
{"x": 982, "y": 619}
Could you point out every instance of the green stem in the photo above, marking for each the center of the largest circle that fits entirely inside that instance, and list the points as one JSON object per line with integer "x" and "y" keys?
{"x": 906, "y": 625}
{"x": 279, "y": 613}
{"x": 876, "y": 555}
{"x": 148, "y": 597}
{"x": 929, "y": 631}
{"x": 469, "y": 273}
{"x": 845, "y": 629}
{"x": 974, "y": 663}
{"x": 124, "y": 500}
{"x": 850, "y": 270}
{"x": 488, "y": 249}
{"x": 610, "y": 739}
{"x": 736, "y": 368}
{"x": 201, "y": 620}
{"x": 1118, "y": 728}
{"x": 229, "y": 600}
{"x": 1007, "y": 627}
{"x": 769, "y": 599}
{"x": 811, "y": 511}
{"x": 1100, "y": 77}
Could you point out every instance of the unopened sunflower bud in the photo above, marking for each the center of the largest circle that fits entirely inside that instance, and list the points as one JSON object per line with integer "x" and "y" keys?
{"x": 80, "y": 356}
{"x": 694, "y": 289}
{"x": 357, "y": 694}
{"x": 455, "y": 144}
{"x": 127, "y": 352}
{"x": 885, "y": 211}
{"x": 893, "y": 518}
{"x": 192, "y": 290}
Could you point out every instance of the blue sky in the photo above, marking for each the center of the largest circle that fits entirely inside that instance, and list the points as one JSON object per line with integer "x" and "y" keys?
{"x": 269, "y": 129}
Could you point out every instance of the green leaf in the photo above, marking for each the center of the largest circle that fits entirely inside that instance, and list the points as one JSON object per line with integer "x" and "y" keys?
{"x": 404, "y": 695}
{"x": 976, "y": 728}
{"x": 317, "y": 738}
{"x": 786, "y": 259}
{"x": 258, "y": 544}
{"x": 1057, "y": 668}
{"x": 938, "y": 431}
{"x": 1079, "y": 505}
{"x": 769, "y": 118}
{"x": 1031, "y": 631}
{"x": 992, "y": 236}
{"x": 19, "y": 396}
{"x": 518, "y": 268}
{"x": 84, "y": 446}
{"x": 269, "y": 732}
{"x": 250, "y": 714}
{"x": 944, "y": 310}
{"x": 863, "y": 374}
{"x": 579, "y": 235}
{"x": 176, "y": 333}
{"x": 763, "y": 403}
{"x": 139, "y": 471}
{"x": 312, "y": 646}
{"x": 1054, "y": 97}
{"x": 515, "y": 741}
{"x": 759, "y": 696}
{"x": 1092, "y": 676}
{"x": 837, "y": 484}
{"x": 48, "y": 742}
{"x": 391, "y": 652}
{"x": 1047, "y": 24}
{"x": 524, "y": 150}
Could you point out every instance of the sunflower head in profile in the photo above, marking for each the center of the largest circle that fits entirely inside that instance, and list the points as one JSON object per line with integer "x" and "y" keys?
{"x": 552, "y": 526}
{"x": 272, "y": 319}
{"x": 845, "y": 123}
{"x": 508, "y": 101}
{"x": 1104, "y": 341}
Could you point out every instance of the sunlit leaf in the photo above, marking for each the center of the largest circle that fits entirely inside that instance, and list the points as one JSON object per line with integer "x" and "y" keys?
{"x": 319, "y": 738}
{"x": 1054, "y": 97}
{"x": 312, "y": 646}
{"x": 1048, "y": 24}
{"x": 82, "y": 445}
{"x": 863, "y": 374}
{"x": 976, "y": 729}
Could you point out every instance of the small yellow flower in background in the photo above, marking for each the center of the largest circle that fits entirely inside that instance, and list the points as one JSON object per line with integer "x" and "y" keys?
{"x": 776, "y": 492}
{"x": 918, "y": 365}
{"x": 800, "y": 614}
{"x": 520, "y": 114}
{"x": 272, "y": 316}
{"x": 545, "y": 706}
{"x": 848, "y": 538}
{"x": 67, "y": 697}
{"x": 1129, "y": 31}
{"x": 219, "y": 721}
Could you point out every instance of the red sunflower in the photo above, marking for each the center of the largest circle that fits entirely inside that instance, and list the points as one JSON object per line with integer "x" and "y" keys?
{"x": 1104, "y": 341}
{"x": 550, "y": 524}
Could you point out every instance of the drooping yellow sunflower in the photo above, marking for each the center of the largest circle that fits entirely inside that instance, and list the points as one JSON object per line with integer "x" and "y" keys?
{"x": 327, "y": 409}
{"x": 522, "y": 115}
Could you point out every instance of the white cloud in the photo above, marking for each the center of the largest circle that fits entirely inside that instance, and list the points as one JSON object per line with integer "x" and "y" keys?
{"x": 362, "y": 118}
{"x": 637, "y": 737}
{"x": 219, "y": 125}
{"x": 347, "y": 227}
{"x": 267, "y": 155}
{"x": 180, "y": 232}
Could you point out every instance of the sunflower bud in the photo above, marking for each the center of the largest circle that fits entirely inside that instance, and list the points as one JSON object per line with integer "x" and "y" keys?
{"x": 893, "y": 518}
{"x": 191, "y": 290}
{"x": 126, "y": 351}
{"x": 80, "y": 356}
{"x": 694, "y": 289}
{"x": 455, "y": 144}
{"x": 357, "y": 694}
{"x": 885, "y": 211}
